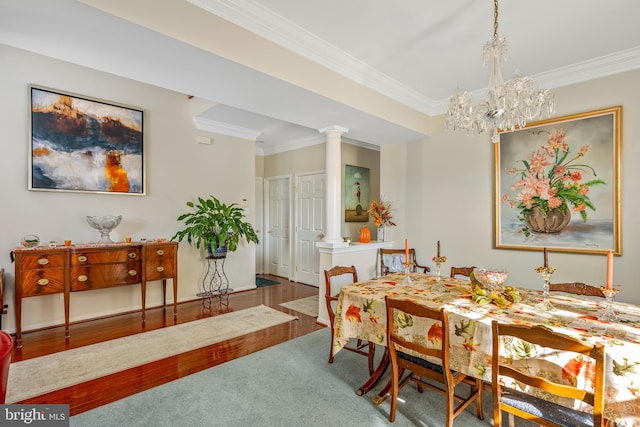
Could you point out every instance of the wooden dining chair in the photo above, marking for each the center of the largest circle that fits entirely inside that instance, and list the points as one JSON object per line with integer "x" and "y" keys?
{"x": 461, "y": 271}
{"x": 399, "y": 311}
{"x": 347, "y": 275}
{"x": 393, "y": 260}
{"x": 577, "y": 288}
{"x": 523, "y": 404}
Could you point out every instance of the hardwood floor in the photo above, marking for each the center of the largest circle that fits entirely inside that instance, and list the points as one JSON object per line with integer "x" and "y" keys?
{"x": 91, "y": 394}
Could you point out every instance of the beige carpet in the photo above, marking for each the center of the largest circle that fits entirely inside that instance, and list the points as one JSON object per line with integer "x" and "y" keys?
{"x": 40, "y": 375}
{"x": 308, "y": 306}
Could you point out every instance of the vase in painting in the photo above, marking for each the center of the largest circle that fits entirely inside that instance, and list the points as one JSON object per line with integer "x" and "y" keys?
{"x": 553, "y": 221}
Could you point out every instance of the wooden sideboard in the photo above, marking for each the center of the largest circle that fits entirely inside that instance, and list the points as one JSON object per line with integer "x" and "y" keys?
{"x": 66, "y": 269}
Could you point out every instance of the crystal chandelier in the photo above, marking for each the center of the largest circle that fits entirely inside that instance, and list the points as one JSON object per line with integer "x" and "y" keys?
{"x": 508, "y": 105}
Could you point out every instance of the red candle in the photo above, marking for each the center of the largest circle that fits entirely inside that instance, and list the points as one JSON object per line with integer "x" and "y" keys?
{"x": 546, "y": 258}
{"x": 406, "y": 251}
{"x": 610, "y": 270}
{"x": 438, "y": 248}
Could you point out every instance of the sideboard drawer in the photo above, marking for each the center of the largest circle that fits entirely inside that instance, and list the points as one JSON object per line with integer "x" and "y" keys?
{"x": 42, "y": 282}
{"x": 160, "y": 261}
{"x": 105, "y": 276}
{"x": 42, "y": 260}
{"x": 154, "y": 252}
{"x": 89, "y": 257}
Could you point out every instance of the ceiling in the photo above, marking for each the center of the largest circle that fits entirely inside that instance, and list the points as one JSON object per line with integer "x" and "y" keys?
{"x": 415, "y": 52}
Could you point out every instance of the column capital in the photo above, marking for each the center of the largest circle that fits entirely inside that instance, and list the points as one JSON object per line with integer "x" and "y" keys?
{"x": 334, "y": 128}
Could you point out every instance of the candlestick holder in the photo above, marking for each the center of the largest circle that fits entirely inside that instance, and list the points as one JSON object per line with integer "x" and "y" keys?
{"x": 407, "y": 278}
{"x": 608, "y": 313}
{"x": 546, "y": 273}
{"x": 439, "y": 260}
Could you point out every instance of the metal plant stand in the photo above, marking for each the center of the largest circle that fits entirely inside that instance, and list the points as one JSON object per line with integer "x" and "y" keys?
{"x": 215, "y": 283}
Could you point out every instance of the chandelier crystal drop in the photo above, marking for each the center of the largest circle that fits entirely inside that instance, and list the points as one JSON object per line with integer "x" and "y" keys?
{"x": 509, "y": 105}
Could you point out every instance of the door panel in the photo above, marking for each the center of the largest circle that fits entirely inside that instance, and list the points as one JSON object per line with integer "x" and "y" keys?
{"x": 260, "y": 225}
{"x": 278, "y": 227}
{"x": 309, "y": 227}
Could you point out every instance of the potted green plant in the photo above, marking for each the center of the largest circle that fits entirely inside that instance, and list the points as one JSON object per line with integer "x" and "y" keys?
{"x": 215, "y": 226}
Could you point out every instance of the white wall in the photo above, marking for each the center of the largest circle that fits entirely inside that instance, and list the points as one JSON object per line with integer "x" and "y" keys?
{"x": 177, "y": 169}
{"x": 443, "y": 188}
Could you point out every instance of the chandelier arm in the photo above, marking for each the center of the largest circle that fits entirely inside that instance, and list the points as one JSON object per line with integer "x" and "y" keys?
{"x": 495, "y": 19}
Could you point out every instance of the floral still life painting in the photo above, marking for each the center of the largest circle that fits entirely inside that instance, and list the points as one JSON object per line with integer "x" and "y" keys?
{"x": 550, "y": 183}
{"x": 84, "y": 145}
{"x": 557, "y": 184}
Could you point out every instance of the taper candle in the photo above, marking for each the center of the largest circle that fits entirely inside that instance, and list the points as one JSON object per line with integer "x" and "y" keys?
{"x": 546, "y": 258}
{"x": 438, "y": 248}
{"x": 406, "y": 251}
{"x": 610, "y": 270}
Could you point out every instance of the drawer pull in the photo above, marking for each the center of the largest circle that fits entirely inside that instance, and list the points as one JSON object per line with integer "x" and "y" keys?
{"x": 83, "y": 278}
{"x": 160, "y": 252}
{"x": 133, "y": 273}
{"x": 43, "y": 261}
{"x": 43, "y": 282}
{"x": 82, "y": 258}
{"x": 132, "y": 255}
{"x": 160, "y": 269}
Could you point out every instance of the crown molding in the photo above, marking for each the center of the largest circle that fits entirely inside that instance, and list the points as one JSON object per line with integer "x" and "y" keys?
{"x": 225, "y": 129}
{"x": 603, "y": 66}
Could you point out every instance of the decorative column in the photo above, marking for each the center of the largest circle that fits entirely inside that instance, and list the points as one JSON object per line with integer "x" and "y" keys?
{"x": 333, "y": 175}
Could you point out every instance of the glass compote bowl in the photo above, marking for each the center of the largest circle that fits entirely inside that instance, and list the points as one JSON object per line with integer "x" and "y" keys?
{"x": 104, "y": 224}
{"x": 491, "y": 279}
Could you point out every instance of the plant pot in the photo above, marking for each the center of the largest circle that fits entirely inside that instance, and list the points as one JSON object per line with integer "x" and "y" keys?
{"x": 220, "y": 252}
{"x": 553, "y": 221}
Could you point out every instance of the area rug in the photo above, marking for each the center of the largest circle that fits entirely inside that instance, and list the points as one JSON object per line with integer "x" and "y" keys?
{"x": 308, "y": 306}
{"x": 261, "y": 281}
{"x": 55, "y": 371}
{"x": 287, "y": 385}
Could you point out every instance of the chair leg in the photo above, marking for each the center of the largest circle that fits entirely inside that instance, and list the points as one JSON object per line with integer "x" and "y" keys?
{"x": 478, "y": 389}
{"x": 395, "y": 378}
{"x": 451, "y": 404}
{"x": 331, "y": 348}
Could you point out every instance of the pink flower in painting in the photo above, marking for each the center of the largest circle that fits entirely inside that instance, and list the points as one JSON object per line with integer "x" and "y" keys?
{"x": 555, "y": 202}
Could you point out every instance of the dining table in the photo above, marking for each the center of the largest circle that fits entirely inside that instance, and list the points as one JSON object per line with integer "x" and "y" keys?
{"x": 361, "y": 314}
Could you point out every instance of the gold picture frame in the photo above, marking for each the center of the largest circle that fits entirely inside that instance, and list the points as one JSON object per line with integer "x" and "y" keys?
{"x": 549, "y": 169}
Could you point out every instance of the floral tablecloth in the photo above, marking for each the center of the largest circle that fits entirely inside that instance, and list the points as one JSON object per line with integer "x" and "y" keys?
{"x": 361, "y": 313}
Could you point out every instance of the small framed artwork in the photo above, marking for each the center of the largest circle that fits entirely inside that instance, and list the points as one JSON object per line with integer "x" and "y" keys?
{"x": 79, "y": 144}
{"x": 557, "y": 184}
{"x": 356, "y": 194}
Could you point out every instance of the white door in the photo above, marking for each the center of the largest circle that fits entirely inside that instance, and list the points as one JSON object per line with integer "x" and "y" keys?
{"x": 310, "y": 193}
{"x": 259, "y": 221}
{"x": 277, "y": 244}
